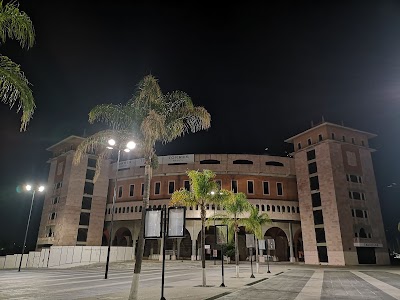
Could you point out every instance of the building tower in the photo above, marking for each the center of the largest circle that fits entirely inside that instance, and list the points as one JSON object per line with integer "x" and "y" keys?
{"x": 339, "y": 206}
{"x": 74, "y": 206}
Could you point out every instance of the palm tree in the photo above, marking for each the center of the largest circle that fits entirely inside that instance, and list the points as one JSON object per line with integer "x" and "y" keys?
{"x": 149, "y": 117}
{"x": 203, "y": 190}
{"x": 254, "y": 224}
{"x": 14, "y": 86}
{"x": 235, "y": 208}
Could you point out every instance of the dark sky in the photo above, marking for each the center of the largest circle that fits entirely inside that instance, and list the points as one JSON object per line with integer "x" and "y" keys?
{"x": 263, "y": 71}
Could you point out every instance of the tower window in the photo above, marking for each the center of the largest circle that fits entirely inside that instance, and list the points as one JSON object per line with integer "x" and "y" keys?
{"x": 266, "y": 187}
{"x": 333, "y": 136}
{"x": 311, "y": 154}
{"x": 157, "y": 188}
{"x": 312, "y": 168}
{"x": 314, "y": 183}
{"x": 309, "y": 142}
{"x": 171, "y": 187}
{"x": 316, "y": 199}
{"x": 131, "y": 190}
{"x": 320, "y": 137}
{"x": 279, "y": 188}
{"x": 186, "y": 185}
{"x": 343, "y": 138}
{"x": 250, "y": 186}
{"x": 234, "y": 185}
{"x": 119, "y": 191}
{"x": 299, "y": 146}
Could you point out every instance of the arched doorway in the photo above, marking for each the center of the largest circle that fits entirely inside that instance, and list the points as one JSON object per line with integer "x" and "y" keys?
{"x": 298, "y": 245}
{"x": 182, "y": 246}
{"x": 123, "y": 237}
{"x": 281, "y": 252}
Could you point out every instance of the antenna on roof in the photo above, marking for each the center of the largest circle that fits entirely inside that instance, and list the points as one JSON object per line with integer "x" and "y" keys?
{"x": 323, "y": 119}
{"x": 312, "y": 124}
{"x": 84, "y": 132}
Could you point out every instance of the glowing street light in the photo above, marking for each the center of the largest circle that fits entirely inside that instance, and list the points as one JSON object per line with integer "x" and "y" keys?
{"x": 29, "y": 187}
{"x": 129, "y": 146}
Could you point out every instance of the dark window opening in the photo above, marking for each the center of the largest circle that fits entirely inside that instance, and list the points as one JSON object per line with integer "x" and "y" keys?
{"x": 186, "y": 185}
{"x": 320, "y": 235}
{"x": 92, "y": 162}
{"x": 88, "y": 189}
{"x": 90, "y": 174}
{"x": 82, "y": 234}
{"x": 176, "y": 164}
{"x": 318, "y": 217}
{"x": 309, "y": 142}
{"x": 234, "y": 184}
{"x": 131, "y": 190}
{"x": 242, "y": 162}
{"x": 314, "y": 183}
{"x": 86, "y": 203}
{"x": 333, "y": 136}
{"x": 320, "y": 137}
{"x": 84, "y": 218}
{"x": 119, "y": 191}
{"x": 356, "y": 195}
{"x": 250, "y": 187}
{"x": 274, "y": 163}
{"x": 343, "y": 138}
{"x": 353, "y": 141}
{"x": 266, "y": 187}
{"x": 279, "y": 188}
{"x": 322, "y": 253}
{"x": 210, "y": 162}
{"x": 171, "y": 187}
{"x": 299, "y": 146}
{"x": 359, "y": 213}
{"x": 311, "y": 154}
{"x": 312, "y": 168}
{"x": 157, "y": 188}
{"x": 142, "y": 191}
{"x": 353, "y": 178}
{"x": 273, "y": 208}
{"x": 362, "y": 233}
{"x": 219, "y": 183}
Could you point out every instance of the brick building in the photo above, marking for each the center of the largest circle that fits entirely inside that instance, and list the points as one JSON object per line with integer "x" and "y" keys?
{"x": 314, "y": 199}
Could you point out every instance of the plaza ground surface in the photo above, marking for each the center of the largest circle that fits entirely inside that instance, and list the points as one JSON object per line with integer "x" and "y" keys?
{"x": 183, "y": 281}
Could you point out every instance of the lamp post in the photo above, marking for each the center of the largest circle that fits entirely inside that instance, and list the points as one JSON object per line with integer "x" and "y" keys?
{"x": 156, "y": 227}
{"x": 129, "y": 146}
{"x": 250, "y": 244}
{"x": 221, "y": 236}
{"x": 29, "y": 187}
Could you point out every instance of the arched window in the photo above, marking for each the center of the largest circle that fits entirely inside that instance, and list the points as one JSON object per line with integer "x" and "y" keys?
{"x": 298, "y": 209}
{"x": 278, "y": 208}
{"x": 210, "y": 162}
{"x": 273, "y": 208}
{"x": 242, "y": 162}
{"x": 197, "y": 207}
{"x": 213, "y": 207}
{"x": 263, "y": 207}
{"x": 293, "y": 210}
{"x": 123, "y": 210}
{"x": 258, "y": 207}
{"x": 135, "y": 208}
{"x": 218, "y": 207}
{"x": 140, "y": 208}
{"x": 154, "y": 207}
{"x": 362, "y": 233}
{"x": 288, "y": 209}
{"x": 268, "y": 208}
{"x": 274, "y": 163}
{"x": 283, "y": 209}
{"x": 208, "y": 206}
{"x": 159, "y": 207}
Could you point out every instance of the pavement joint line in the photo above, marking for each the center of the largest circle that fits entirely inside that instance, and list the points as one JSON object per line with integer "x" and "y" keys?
{"x": 257, "y": 281}
{"x": 218, "y": 296}
{"x": 313, "y": 288}
{"x": 384, "y": 287}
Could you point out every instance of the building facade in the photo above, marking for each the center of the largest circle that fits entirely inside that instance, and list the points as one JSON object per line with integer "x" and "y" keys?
{"x": 312, "y": 199}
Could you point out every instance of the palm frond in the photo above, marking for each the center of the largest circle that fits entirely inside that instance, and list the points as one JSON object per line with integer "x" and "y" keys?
{"x": 147, "y": 95}
{"x": 14, "y": 87}
{"x": 182, "y": 197}
{"x": 16, "y": 24}
{"x": 117, "y": 116}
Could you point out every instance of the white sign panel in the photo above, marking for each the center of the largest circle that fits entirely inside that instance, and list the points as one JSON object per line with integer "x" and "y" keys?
{"x": 261, "y": 244}
{"x": 206, "y": 246}
{"x": 176, "y": 222}
{"x": 271, "y": 244}
{"x": 153, "y": 224}
{"x": 249, "y": 240}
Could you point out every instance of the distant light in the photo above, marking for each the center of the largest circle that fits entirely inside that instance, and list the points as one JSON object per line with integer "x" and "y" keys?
{"x": 131, "y": 145}
{"x": 212, "y": 192}
{"x": 28, "y": 187}
{"x": 111, "y": 142}
{"x": 41, "y": 188}
{"x": 109, "y": 147}
{"x": 127, "y": 150}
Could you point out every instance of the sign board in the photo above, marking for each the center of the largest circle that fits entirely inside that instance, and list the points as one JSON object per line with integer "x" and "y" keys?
{"x": 153, "y": 224}
{"x": 176, "y": 222}
{"x": 250, "y": 240}
{"x": 221, "y": 232}
{"x": 261, "y": 244}
{"x": 215, "y": 253}
{"x": 370, "y": 245}
{"x": 162, "y": 160}
{"x": 207, "y": 247}
{"x": 271, "y": 244}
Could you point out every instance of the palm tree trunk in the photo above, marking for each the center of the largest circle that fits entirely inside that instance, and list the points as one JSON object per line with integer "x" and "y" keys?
{"x": 237, "y": 251}
{"x": 133, "y": 295}
{"x": 257, "y": 258}
{"x": 203, "y": 242}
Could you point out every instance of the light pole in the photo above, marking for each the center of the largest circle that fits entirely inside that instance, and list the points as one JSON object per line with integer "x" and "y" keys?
{"x": 129, "y": 146}
{"x": 221, "y": 236}
{"x": 29, "y": 187}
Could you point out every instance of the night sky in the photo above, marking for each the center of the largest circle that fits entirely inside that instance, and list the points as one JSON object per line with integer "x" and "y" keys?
{"x": 264, "y": 72}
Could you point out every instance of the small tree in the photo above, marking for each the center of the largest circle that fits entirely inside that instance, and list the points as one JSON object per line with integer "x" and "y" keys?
{"x": 236, "y": 205}
{"x": 254, "y": 224}
{"x": 203, "y": 190}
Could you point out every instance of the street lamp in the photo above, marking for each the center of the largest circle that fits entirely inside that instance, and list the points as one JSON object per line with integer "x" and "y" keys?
{"x": 128, "y": 147}
{"x": 29, "y": 188}
{"x": 221, "y": 237}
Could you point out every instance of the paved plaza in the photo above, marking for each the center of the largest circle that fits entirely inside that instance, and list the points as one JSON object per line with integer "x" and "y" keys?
{"x": 183, "y": 280}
